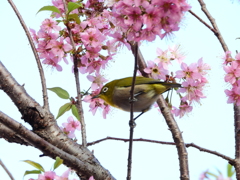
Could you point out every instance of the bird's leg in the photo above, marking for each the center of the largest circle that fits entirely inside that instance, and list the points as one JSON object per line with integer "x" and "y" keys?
{"x": 138, "y": 116}
{"x": 132, "y": 123}
{"x": 134, "y": 99}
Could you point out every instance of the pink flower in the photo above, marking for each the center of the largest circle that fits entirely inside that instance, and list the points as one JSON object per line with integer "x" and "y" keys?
{"x": 203, "y": 175}
{"x": 95, "y": 66}
{"x": 152, "y": 16}
{"x": 183, "y": 109}
{"x": 70, "y": 134}
{"x": 202, "y": 67}
{"x": 175, "y": 54}
{"x": 97, "y": 81}
{"x": 233, "y": 72}
{"x": 59, "y": 47}
{"x": 34, "y": 35}
{"x": 64, "y": 176}
{"x": 48, "y": 175}
{"x": 72, "y": 125}
{"x": 91, "y": 178}
{"x": 163, "y": 58}
{"x": 133, "y": 17}
{"x": 227, "y": 57}
{"x": 93, "y": 37}
{"x": 193, "y": 90}
{"x": 156, "y": 71}
{"x": 97, "y": 103}
{"x": 237, "y": 57}
{"x": 189, "y": 72}
{"x": 106, "y": 110}
{"x": 50, "y": 24}
{"x": 149, "y": 34}
{"x": 234, "y": 94}
{"x": 52, "y": 61}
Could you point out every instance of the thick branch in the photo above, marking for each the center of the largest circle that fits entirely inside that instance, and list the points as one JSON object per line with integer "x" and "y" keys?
{"x": 44, "y": 124}
{"x": 43, "y": 80}
{"x": 49, "y": 149}
{"x": 11, "y": 136}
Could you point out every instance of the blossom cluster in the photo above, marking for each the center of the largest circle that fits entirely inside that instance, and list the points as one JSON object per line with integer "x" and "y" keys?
{"x": 70, "y": 127}
{"x": 144, "y": 20}
{"x": 51, "y": 48}
{"x": 232, "y": 69}
{"x": 193, "y": 76}
{"x": 97, "y": 103}
{"x": 158, "y": 69}
{"x": 103, "y": 28}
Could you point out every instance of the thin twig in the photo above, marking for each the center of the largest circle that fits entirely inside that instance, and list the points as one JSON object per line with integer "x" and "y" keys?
{"x": 76, "y": 73}
{"x": 202, "y": 21}
{"x": 214, "y": 24}
{"x": 230, "y": 160}
{"x": 6, "y": 169}
{"x": 131, "y": 122}
{"x": 42, "y": 76}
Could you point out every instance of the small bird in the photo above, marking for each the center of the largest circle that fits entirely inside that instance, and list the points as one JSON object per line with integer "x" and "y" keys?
{"x": 146, "y": 91}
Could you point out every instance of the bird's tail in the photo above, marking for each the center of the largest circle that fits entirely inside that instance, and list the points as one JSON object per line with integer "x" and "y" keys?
{"x": 171, "y": 85}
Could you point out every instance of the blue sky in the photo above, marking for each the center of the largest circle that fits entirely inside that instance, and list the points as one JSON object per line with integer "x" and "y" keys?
{"x": 210, "y": 125}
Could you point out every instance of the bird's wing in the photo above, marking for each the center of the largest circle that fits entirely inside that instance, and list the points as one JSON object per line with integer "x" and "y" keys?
{"x": 126, "y": 82}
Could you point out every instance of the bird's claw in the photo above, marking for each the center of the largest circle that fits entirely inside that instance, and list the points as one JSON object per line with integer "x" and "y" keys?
{"x": 132, "y": 99}
{"x": 132, "y": 124}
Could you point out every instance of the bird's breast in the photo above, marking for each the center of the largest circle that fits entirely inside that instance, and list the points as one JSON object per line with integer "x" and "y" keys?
{"x": 144, "y": 95}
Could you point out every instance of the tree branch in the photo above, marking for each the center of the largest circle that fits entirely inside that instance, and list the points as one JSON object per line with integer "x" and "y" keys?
{"x": 43, "y": 80}
{"x": 52, "y": 151}
{"x": 131, "y": 122}
{"x": 76, "y": 73}
{"x": 44, "y": 124}
{"x": 7, "y": 171}
{"x": 230, "y": 160}
{"x": 214, "y": 24}
{"x": 176, "y": 133}
{"x": 11, "y": 136}
{"x": 236, "y": 108}
{"x": 202, "y": 21}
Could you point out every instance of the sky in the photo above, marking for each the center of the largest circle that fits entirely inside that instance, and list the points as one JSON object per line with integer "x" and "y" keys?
{"x": 209, "y": 125}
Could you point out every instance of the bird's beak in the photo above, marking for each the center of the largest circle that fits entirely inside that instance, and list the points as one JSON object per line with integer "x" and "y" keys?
{"x": 97, "y": 96}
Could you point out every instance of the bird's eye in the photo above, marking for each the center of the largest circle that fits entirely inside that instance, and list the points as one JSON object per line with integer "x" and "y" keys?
{"x": 105, "y": 89}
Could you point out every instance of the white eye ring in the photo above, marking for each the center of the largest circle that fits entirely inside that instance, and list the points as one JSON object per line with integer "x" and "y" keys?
{"x": 105, "y": 89}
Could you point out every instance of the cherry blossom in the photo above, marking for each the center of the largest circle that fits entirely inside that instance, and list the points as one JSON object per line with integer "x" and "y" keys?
{"x": 183, "y": 109}
{"x": 156, "y": 71}
{"x": 97, "y": 81}
{"x": 48, "y": 175}
{"x": 233, "y": 72}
